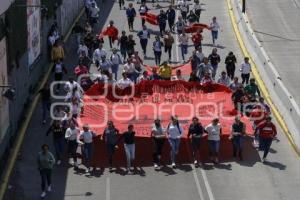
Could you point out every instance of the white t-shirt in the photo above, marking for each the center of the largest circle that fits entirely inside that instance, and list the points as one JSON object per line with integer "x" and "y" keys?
{"x": 245, "y": 68}
{"x": 124, "y": 83}
{"x": 82, "y": 48}
{"x": 174, "y": 131}
{"x": 87, "y": 136}
{"x": 184, "y": 39}
{"x": 214, "y": 26}
{"x": 214, "y": 131}
{"x": 183, "y": 6}
{"x": 98, "y": 53}
{"x": 129, "y": 68}
{"x": 115, "y": 59}
{"x": 72, "y": 134}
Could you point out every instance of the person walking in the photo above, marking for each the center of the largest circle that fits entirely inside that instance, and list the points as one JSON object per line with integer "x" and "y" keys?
{"x": 87, "y": 137}
{"x": 116, "y": 60}
{"x": 204, "y": 68}
{"x": 46, "y": 162}
{"x": 72, "y": 136}
{"x": 196, "y": 131}
{"x": 267, "y": 132}
{"x": 180, "y": 25}
{"x": 183, "y": 41}
{"x": 197, "y": 9}
{"x": 57, "y": 52}
{"x": 214, "y": 59}
{"x": 144, "y": 35}
{"x": 130, "y": 45}
{"x": 157, "y": 45}
{"x": 130, "y": 13}
{"x": 230, "y": 62}
{"x": 197, "y": 39}
{"x": 59, "y": 69}
{"x": 162, "y": 22}
{"x": 143, "y": 10}
{"x": 122, "y": 4}
{"x": 192, "y": 17}
{"x": 110, "y": 136}
{"x": 123, "y": 40}
{"x": 238, "y": 129}
{"x": 224, "y": 79}
{"x": 215, "y": 27}
{"x": 252, "y": 89}
{"x": 171, "y": 15}
{"x": 174, "y": 134}
{"x": 214, "y": 131}
{"x": 245, "y": 71}
{"x": 184, "y": 9}
{"x": 168, "y": 43}
{"x": 58, "y": 139}
{"x": 158, "y": 135}
{"x": 46, "y": 101}
{"x": 129, "y": 146}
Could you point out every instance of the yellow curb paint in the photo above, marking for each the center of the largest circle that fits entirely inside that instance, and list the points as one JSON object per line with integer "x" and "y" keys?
{"x": 22, "y": 131}
{"x": 260, "y": 82}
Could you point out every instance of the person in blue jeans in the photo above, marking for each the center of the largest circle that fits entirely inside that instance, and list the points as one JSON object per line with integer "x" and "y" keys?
{"x": 183, "y": 41}
{"x": 157, "y": 45}
{"x": 236, "y": 137}
{"x": 174, "y": 134}
{"x": 87, "y": 137}
{"x": 214, "y": 132}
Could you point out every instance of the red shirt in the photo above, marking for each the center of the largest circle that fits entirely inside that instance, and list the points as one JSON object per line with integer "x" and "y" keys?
{"x": 267, "y": 130}
{"x": 258, "y": 116}
{"x": 80, "y": 70}
{"x": 196, "y": 38}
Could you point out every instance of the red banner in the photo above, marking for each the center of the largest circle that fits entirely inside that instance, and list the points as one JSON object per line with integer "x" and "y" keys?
{"x": 148, "y": 100}
{"x": 150, "y": 18}
{"x": 110, "y": 31}
{"x": 195, "y": 27}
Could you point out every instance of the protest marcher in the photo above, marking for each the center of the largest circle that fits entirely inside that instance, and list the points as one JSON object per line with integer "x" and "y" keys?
{"x": 184, "y": 9}
{"x": 178, "y": 76}
{"x": 154, "y": 75}
{"x": 193, "y": 77}
{"x": 87, "y": 141}
{"x": 59, "y": 69}
{"x": 171, "y": 15}
{"x": 197, "y": 9}
{"x": 267, "y": 132}
{"x": 110, "y": 136}
{"x": 137, "y": 61}
{"x": 144, "y": 35}
{"x": 124, "y": 82}
{"x": 235, "y": 84}
{"x": 224, "y": 79}
{"x": 214, "y": 132}
{"x": 116, "y": 60}
{"x": 197, "y": 39}
{"x": 195, "y": 62}
{"x": 46, "y": 101}
{"x": 204, "y": 68}
{"x": 99, "y": 53}
{"x": 78, "y": 30}
{"x": 215, "y": 27}
{"x": 192, "y": 17}
{"x": 183, "y": 41}
{"x": 115, "y": 31}
{"x": 157, "y": 45}
{"x": 58, "y": 139}
{"x": 72, "y": 136}
{"x": 143, "y": 10}
{"x": 130, "y": 45}
{"x": 80, "y": 69}
{"x": 180, "y": 24}
{"x": 174, "y": 134}
{"x": 94, "y": 13}
{"x": 168, "y": 43}
{"x": 196, "y": 131}
{"x": 129, "y": 146}
{"x": 165, "y": 71}
{"x": 158, "y": 135}
{"x": 237, "y": 133}
{"x": 200, "y": 54}
{"x": 46, "y": 162}
{"x": 162, "y": 22}
{"x": 252, "y": 88}
{"x": 130, "y": 70}
{"x": 214, "y": 59}
{"x": 238, "y": 98}
{"x": 230, "y": 62}
{"x": 105, "y": 64}
{"x": 245, "y": 71}
{"x": 131, "y": 13}
{"x": 143, "y": 77}
{"x": 57, "y": 52}
{"x": 123, "y": 44}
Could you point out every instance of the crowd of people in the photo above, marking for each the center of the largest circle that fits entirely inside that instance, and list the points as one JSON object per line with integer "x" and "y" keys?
{"x": 125, "y": 56}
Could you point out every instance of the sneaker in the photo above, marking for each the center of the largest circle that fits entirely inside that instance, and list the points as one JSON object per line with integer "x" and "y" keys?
{"x": 87, "y": 170}
{"x": 43, "y": 194}
{"x": 155, "y": 166}
{"x": 58, "y": 162}
{"x": 264, "y": 160}
{"x": 196, "y": 163}
{"x": 173, "y": 165}
{"x": 49, "y": 189}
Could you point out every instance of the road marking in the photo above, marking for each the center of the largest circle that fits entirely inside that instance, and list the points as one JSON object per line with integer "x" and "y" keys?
{"x": 207, "y": 186}
{"x": 200, "y": 192}
{"x": 107, "y": 188}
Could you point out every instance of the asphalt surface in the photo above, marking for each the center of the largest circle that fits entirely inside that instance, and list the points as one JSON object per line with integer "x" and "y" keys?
{"x": 275, "y": 23}
{"x": 248, "y": 180}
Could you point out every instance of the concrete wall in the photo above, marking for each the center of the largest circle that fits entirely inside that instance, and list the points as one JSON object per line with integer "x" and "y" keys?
{"x": 281, "y": 97}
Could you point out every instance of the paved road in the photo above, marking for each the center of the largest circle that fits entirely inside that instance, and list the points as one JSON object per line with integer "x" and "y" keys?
{"x": 247, "y": 180}
{"x": 276, "y": 25}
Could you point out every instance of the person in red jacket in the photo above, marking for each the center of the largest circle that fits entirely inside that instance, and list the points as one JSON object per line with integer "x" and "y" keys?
{"x": 197, "y": 38}
{"x": 257, "y": 116}
{"x": 267, "y": 131}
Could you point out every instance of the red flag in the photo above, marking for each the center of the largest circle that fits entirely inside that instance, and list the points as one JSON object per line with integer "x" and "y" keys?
{"x": 195, "y": 27}
{"x": 110, "y": 31}
{"x": 150, "y": 18}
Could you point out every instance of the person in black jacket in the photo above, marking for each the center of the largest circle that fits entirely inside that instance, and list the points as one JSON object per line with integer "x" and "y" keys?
{"x": 162, "y": 22}
{"x": 195, "y": 133}
{"x": 171, "y": 15}
{"x": 46, "y": 100}
{"x": 230, "y": 61}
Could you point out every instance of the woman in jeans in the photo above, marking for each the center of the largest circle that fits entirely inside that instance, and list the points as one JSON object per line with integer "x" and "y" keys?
{"x": 214, "y": 132}
{"x": 87, "y": 137}
{"x": 129, "y": 146}
{"x": 158, "y": 136}
{"x": 110, "y": 136}
{"x": 45, "y": 165}
{"x": 174, "y": 133}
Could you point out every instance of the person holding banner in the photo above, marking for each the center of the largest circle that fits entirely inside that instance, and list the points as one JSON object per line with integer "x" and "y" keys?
{"x": 174, "y": 134}
{"x": 165, "y": 71}
{"x": 237, "y": 132}
{"x": 158, "y": 135}
{"x": 196, "y": 131}
{"x": 214, "y": 131}
{"x": 110, "y": 136}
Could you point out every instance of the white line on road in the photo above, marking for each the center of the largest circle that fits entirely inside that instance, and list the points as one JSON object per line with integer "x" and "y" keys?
{"x": 207, "y": 186}
{"x": 107, "y": 188}
{"x": 200, "y": 192}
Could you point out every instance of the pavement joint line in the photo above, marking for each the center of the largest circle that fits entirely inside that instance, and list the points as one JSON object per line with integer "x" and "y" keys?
{"x": 256, "y": 75}
{"x": 23, "y": 128}
{"x": 107, "y": 194}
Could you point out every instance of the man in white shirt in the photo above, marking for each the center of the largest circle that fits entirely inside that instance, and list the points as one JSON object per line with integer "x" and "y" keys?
{"x": 82, "y": 49}
{"x": 94, "y": 13}
{"x": 197, "y": 9}
{"x": 72, "y": 135}
{"x": 98, "y": 53}
{"x": 215, "y": 27}
{"x": 130, "y": 70}
{"x": 214, "y": 131}
{"x": 124, "y": 82}
{"x": 245, "y": 71}
{"x": 87, "y": 137}
{"x": 143, "y": 77}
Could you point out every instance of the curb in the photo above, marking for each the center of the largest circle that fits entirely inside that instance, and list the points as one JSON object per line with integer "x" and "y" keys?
{"x": 22, "y": 131}
{"x": 259, "y": 80}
